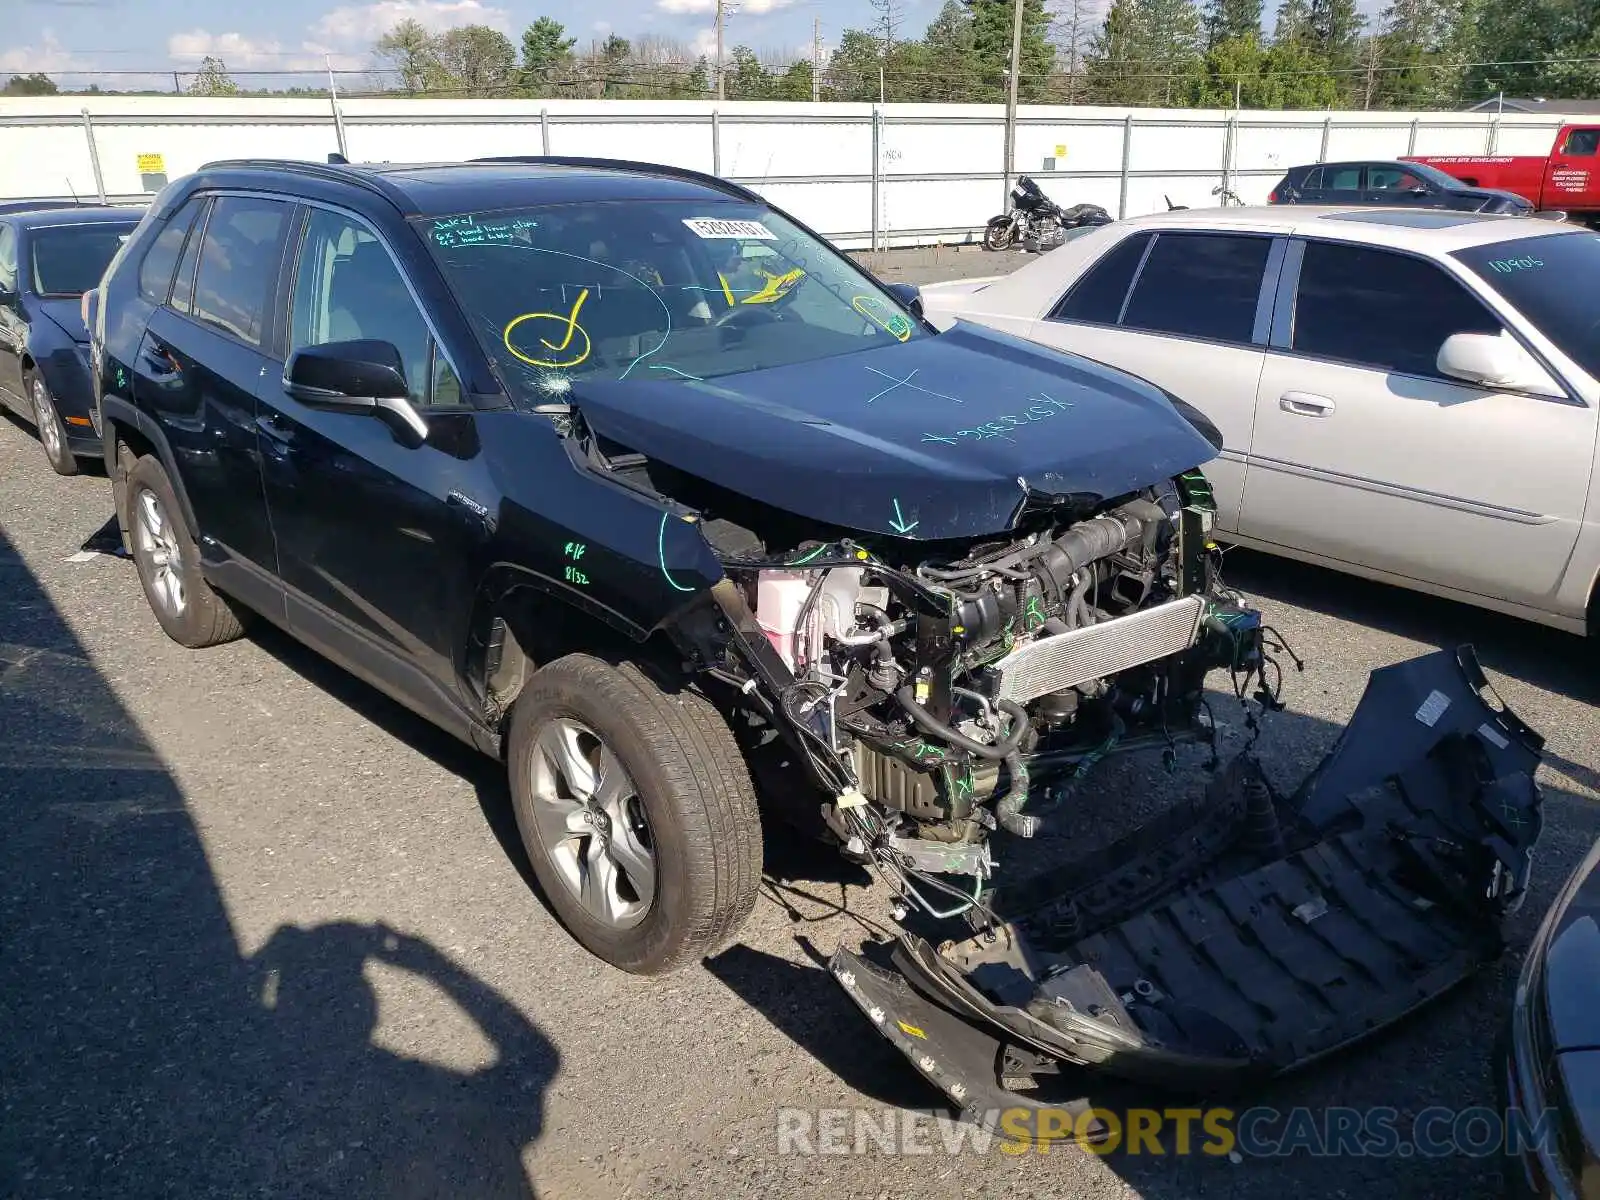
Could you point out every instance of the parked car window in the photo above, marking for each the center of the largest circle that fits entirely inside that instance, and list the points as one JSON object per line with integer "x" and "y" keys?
{"x": 68, "y": 260}
{"x": 1202, "y": 285}
{"x": 1381, "y": 309}
{"x": 1391, "y": 179}
{"x": 1582, "y": 143}
{"x": 1341, "y": 179}
{"x": 1554, "y": 282}
{"x": 239, "y": 257}
{"x": 1313, "y": 180}
{"x": 8, "y": 257}
{"x": 183, "y": 281}
{"x": 1098, "y": 296}
{"x": 348, "y": 288}
{"x": 155, "y": 272}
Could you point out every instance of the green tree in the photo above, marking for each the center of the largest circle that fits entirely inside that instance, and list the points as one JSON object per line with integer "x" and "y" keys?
{"x": 615, "y": 55}
{"x": 743, "y": 76}
{"x": 35, "y": 84}
{"x": 991, "y": 48}
{"x": 478, "y": 60}
{"x": 1293, "y": 18}
{"x": 212, "y": 79}
{"x": 698, "y": 82}
{"x": 412, "y": 52}
{"x": 546, "y": 56}
{"x": 793, "y": 84}
{"x": 1284, "y": 75}
{"x": 1333, "y": 30}
{"x": 1232, "y": 20}
{"x": 1147, "y": 52}
{"x": 853, "y": 67}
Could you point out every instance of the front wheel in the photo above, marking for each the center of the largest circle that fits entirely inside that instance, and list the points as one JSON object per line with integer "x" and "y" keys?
{"x": 999, "y": 234}
{"x": 636, "y": 811}
{"x": 52, "y": 433}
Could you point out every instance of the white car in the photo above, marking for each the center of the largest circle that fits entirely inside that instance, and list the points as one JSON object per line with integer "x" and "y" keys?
{"x": 1408, "y": 395}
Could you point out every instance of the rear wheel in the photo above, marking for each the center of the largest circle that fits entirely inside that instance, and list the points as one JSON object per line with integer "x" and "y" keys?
{"x": 636, "y": 811}
{"x": 999, "y": 234}
{"x": 168, "y": 562}
{"x": 52, "y": 433}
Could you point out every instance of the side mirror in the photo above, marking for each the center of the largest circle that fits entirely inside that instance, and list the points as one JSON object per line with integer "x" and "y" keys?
{"x": 908, "y": 294}
{"x": 363, "y": 376}
{"x": 1495, "y": 361}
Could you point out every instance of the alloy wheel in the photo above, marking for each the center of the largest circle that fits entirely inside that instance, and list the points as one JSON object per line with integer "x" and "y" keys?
{"x": 591, "y": 823}
{"x": 44, "y": 416}
{"x": 158, "y": 545}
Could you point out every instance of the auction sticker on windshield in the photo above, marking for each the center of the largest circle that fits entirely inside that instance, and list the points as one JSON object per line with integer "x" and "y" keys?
{"x": 710, "y": 227}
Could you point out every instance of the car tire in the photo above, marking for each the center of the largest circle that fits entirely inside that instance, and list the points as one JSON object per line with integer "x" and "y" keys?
{"x": 683, "y": 798}
{"x": 168, "y": 562}
{"x": 52, "y": 432}
{"x": 999, "y": 234}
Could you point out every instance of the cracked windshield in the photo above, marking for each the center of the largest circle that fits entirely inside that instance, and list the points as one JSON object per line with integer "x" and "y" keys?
{"x": 663, "y": 290}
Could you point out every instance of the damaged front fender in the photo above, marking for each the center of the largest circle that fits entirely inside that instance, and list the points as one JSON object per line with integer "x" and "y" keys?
{"x": 1245, "y": 934}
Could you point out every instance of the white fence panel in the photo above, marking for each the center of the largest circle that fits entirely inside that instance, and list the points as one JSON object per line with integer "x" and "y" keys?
{"x": 936, "y": 176}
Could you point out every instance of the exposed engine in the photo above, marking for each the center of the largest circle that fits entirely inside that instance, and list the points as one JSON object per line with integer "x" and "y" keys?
{"x": 944, "y": 697}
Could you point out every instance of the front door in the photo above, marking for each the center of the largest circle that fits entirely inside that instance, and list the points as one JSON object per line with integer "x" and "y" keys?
{"x": 1572, "y": 176}
{"x": 1184, "y": 310}
{"x": 378, "y": 540}
{"x": 1365, "y": 453}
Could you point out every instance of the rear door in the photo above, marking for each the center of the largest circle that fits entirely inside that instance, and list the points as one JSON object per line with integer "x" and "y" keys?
{"x": 1342, "y": 183}
{"x": 199, "y": 367}
{"x": 1572, "y": 176}
{"x": 1186, "y": 311}
{"x": 377, "y": 539}
{"x": 1365, "y": 453}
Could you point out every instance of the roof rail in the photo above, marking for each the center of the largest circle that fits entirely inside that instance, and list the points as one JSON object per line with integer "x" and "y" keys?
{"x": 722, "y": 185}
{"x": 339, "y": 173}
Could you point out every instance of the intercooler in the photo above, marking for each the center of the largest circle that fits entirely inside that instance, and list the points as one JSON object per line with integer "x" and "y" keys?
{"x": 1065, "y": 660}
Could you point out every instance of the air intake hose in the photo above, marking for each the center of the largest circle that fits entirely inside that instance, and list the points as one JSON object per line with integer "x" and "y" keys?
{"x": 1085, "y": 543}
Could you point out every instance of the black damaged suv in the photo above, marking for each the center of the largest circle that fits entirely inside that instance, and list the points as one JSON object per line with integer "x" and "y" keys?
{"x": 624, "y": 476}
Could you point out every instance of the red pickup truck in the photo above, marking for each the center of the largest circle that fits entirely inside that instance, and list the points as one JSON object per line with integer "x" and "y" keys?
{"x": 1566, "y": 180}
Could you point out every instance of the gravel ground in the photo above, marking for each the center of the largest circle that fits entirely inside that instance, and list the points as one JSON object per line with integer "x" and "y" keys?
{"x": 264, "y": 933}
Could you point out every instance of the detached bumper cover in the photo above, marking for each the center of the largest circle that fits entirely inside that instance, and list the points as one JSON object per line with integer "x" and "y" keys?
{"x": 1241, "y": 935}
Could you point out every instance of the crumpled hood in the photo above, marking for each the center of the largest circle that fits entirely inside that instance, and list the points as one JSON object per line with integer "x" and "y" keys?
{"x": 940, "y": 437}
{"x": 66, "y": 312}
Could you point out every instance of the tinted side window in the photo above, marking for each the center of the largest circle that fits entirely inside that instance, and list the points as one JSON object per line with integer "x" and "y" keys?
{"x": 348, "y": 287}
{"x": 1582, "y": 143}
{"x": 1341, "y": 179}
{"x": 183, "y": 281}
{"x": 1098, "y": 296}
{"x": 1202, "y": 285}
{"x": 155, "y": 272}
{"x": 1381, "y": 309}
{"x": 1312, "y": 181}
{"x": 239, "y": 258}
{"x": 1391, "y": 179}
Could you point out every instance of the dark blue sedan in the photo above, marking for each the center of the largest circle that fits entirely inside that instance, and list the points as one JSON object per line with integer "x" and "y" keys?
{"x": 48, "y": 259}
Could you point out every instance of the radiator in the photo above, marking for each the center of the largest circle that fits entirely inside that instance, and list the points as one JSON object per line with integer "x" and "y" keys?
{"x": 1064, "y": 660}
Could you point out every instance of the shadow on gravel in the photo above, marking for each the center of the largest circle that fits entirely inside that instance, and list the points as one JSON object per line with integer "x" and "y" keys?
{"x": 142, "y": 1055}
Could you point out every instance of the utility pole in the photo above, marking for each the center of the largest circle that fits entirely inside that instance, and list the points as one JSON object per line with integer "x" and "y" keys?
{"x": 816, "y": 60}
{"x": 721, "y": 94}
{"x": 1011, "y": 97}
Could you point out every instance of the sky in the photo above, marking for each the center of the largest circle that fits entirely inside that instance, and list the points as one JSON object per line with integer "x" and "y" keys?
{"x": 161, "y": 36}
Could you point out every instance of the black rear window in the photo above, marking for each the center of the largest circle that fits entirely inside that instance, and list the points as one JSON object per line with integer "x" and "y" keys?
{"x": 1098, "y": 296}
{"x": 1553, "y": 281}
{"x": 68, "y": 260}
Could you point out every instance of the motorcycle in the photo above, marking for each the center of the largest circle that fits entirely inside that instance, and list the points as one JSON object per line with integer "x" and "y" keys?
{"x": 1037, "y": 221}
